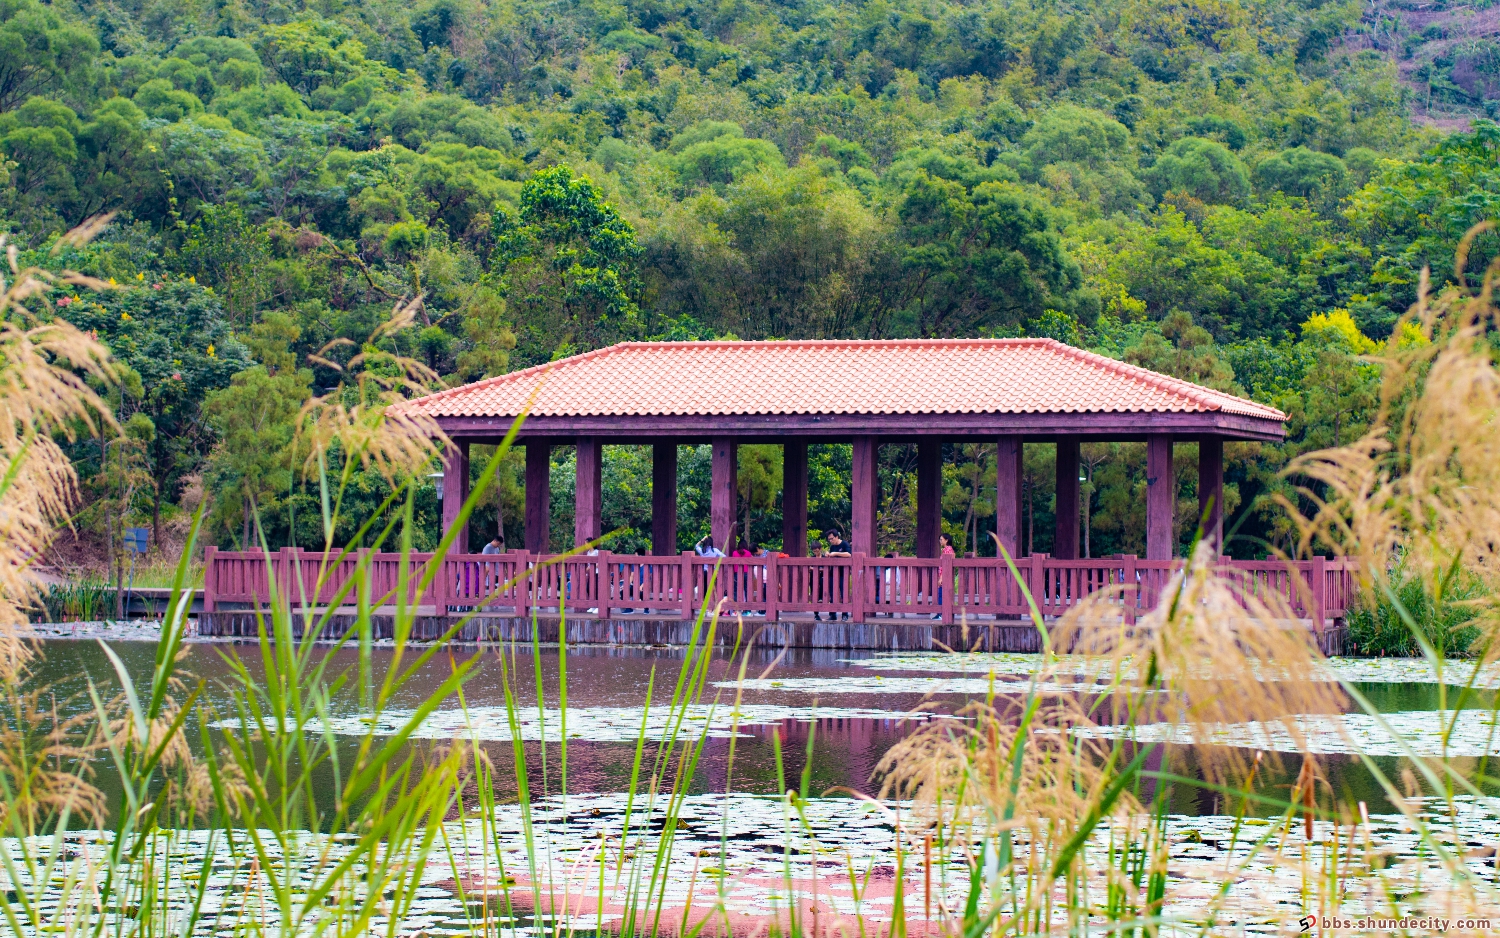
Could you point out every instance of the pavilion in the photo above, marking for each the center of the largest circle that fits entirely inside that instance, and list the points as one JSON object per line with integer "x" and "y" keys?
{"x": 1007, "y": 392}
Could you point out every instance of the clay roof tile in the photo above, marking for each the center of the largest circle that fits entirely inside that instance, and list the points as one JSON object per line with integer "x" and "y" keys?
{"x": 904, "y": 376}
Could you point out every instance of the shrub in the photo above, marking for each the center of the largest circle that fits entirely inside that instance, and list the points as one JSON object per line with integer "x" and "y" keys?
{"x": 1443, "y": 615}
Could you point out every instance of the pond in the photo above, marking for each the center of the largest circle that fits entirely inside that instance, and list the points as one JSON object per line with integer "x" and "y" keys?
{"x": 832, "y": 715}
{"x": 853, "y": 706}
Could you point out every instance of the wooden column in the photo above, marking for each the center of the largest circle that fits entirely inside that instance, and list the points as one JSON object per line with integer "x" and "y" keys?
{"x": 794, "y": 498}
{"x": 1065, "y": 542}
{"x": 456, "y": 492}
{"x": 929, "y": 497}
{"x": 588, "y": 492}
{"x": 1020, "y": 494}
{"x": 538, "y": 496}
{"x": 664, "y": 499}
{"x": 1161, "y": 493}
{"x": 864, "y": 495}
{"x": 1211, "y": 490}
{"x": 1008, "y": 494}
{"x": 724, "y": 495}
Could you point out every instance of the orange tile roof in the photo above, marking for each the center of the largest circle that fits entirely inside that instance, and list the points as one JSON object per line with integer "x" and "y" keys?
{"x": 900, "y": 376}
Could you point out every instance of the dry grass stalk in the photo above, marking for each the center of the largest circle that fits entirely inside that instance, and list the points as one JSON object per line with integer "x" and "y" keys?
{"x": 45, "y": 365}
{"x": 45, "y": 760}
{"x": 1204, "y": 657}
{"x": 962, "y": 777}
{"x": 1421, "y": 483}
{"x": 362, "y": 415}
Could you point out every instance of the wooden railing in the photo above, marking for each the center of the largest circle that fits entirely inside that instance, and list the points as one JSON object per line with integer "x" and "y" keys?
{"x": 860, "y": 587}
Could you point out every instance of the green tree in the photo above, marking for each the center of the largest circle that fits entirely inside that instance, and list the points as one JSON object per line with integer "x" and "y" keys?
{"x": 567, "y": 266}
{"x": 172, "y": 333}
{"x": 1339, "y": 391}
{"x": 226, "y": 251}
{"x": 758, "y": 481}
{"x": 40, "y": 53}
{"x": 1203, "y": 169}
{"x": 1183, "y": 350}
{"x": 980, "y": 261}
{"x": 488, "y": 335}
{"x": 252, "y": 465}
{"x": 1302, "y": 172}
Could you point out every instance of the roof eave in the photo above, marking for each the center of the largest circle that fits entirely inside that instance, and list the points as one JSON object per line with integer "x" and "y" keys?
{"x": 1114, "y": 425}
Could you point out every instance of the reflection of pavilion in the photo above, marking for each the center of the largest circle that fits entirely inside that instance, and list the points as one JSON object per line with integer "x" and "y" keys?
{"x": 1004, "y": 391}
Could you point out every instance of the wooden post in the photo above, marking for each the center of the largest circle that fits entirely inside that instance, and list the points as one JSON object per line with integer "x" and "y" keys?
{"x": 864, "y": 496}
{"x": 945, "y": 588}
{"x": 1038, "y": 584}
{"x": 689, "y": 584}
{"x": 1319, "y": 591}
{"x": 284, "y": 576}
{"x": 1211, "y": 490}
{"x": 723, "y": 500}
{"x": 456, "y": 492}
{"x": 1131, "y": 590}
{"x": 1007, "y": 494}
{"x": 538, "y": 496}
{"x": 794, "y": 498}
{"x": 1065, "y": 543}
{"x": 929, "y": 496}
{"x": 442, "y": 586}
{"x": 524, "y": 581}
{"x": 210, "y": 579}
{"x": 858, "y": 588}
{"x": 605, "y": 571}
{"x": 588, "y": 491}
{"x": 664, "y": 499}
{"x": 1161, "y": 494}
{"x": 773, "y": 588}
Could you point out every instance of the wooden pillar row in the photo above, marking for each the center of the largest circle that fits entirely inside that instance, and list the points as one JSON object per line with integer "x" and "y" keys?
{"x": 588, "y": 492}
{"x": 664, "y": 499}
{"x": 1065, "y": 542}
{"x": 724, "y": 491}
{"x": 456, "y": 492}
{"x": 1161, "y": 494}
{"x": 538, "y": 496}
{"x": 929, "y": 496}
{"x": 864, "y": 495}
{"x": 1008, "y": 469}
{"x": 1211, "y": 491}
{"x": 794, "y": 498}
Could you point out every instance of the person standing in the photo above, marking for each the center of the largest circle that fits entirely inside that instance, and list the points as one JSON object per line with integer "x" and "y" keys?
{"x": 945, "y": 549}
{"x": 839, "y": 578}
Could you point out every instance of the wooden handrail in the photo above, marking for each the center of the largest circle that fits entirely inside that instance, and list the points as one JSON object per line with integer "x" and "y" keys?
{"x": 519, "y": 582}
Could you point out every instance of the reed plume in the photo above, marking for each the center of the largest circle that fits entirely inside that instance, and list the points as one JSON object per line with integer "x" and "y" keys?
{"x": 1421, "y": 484}
{"x": 1215, "y": 650}
{"x": 45, "y": 368}
{"x": 362, "y": 414}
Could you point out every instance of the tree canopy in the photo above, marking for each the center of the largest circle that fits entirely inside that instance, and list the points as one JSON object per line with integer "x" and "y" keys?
{"x": 1200, "y": 187}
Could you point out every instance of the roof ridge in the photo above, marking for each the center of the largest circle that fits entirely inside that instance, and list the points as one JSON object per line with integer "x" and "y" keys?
{"x": 792, "y": 343}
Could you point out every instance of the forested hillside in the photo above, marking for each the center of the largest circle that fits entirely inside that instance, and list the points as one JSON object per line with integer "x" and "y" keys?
{"x": 1239, "y": 192}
